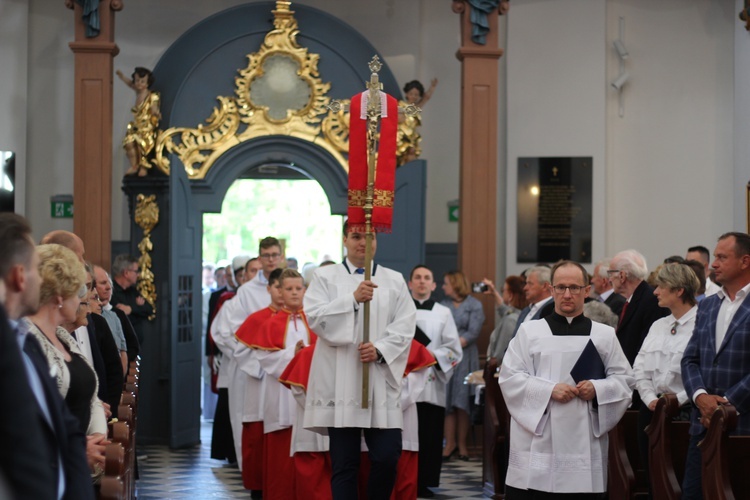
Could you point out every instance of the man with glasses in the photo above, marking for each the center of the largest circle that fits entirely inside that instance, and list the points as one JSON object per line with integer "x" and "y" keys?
{"x": 126, "y": 297}
{"x": 566, "y": 382}
{"x": 627, "y": 272}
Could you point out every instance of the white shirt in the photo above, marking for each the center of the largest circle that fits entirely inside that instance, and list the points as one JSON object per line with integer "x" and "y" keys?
{"x": 605, "y": 295}
{"x": 727, "y": 311}
{"x": 534, "y": 308}
{"x": 657, "y": 366}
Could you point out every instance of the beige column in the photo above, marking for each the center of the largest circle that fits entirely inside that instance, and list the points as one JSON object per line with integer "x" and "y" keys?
{"x": 92, "y": 150}
{"x": 477, "y": 224}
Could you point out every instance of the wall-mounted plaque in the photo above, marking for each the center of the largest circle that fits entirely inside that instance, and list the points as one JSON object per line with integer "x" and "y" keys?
{"x": 554, "y": 209}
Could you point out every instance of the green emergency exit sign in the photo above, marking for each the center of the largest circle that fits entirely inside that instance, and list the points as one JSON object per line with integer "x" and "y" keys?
{"x": 61, "y": 207}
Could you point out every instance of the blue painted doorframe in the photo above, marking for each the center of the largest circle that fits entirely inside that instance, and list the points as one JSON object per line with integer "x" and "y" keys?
{"x": 198, "y": 67}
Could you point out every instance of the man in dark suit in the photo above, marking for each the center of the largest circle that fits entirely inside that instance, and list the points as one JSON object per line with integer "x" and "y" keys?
{"x": 716, "y": 362}
{"x": 43, "y": 452}
{"x": 538, "y": 294}
{"x": 603, "y": 287}
{"x": 627, "y": 272}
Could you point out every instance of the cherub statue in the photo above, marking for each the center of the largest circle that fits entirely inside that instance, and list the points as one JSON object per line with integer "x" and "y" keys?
{"x": 140, "y": 137}
{"x": 409, "y": 141}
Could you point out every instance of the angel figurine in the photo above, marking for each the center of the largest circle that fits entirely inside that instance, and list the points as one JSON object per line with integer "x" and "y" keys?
{"x": 140, "y": 137}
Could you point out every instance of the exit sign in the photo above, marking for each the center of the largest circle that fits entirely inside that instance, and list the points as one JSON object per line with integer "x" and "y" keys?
{"x": 452, "y": 214}
{"x": 61, "y": 208}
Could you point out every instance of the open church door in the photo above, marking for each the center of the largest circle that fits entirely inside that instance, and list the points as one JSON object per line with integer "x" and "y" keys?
{"x": 185, "y": 339}
{"x": 404, "y": 248}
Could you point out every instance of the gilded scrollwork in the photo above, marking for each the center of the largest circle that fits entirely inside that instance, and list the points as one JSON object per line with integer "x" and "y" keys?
{"x": 147, "y": 217}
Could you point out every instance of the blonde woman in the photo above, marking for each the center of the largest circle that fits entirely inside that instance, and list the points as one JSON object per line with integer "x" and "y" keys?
{"x": 62, "y": 297}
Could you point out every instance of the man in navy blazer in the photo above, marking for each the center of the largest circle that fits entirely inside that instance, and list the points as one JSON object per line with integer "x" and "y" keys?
{"x": 538, "y": 294}
{"x": 716, "y": 362}
{"x": 43, "y": 452}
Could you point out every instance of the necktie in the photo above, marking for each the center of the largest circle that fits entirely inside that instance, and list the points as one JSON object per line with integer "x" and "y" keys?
{"x": 359, "y": 270}
{"x": 622, "y": 313}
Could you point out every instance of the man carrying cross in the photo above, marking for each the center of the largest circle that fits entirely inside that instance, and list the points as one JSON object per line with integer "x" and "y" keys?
{"x": 334, "y": 305}
{"x": 363, "y": 315}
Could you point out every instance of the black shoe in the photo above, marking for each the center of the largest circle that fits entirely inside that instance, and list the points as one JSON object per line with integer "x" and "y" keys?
{"x": 425, "y": 493}
{"x": 447, "y": 458}
{"x": 463, "y": 458}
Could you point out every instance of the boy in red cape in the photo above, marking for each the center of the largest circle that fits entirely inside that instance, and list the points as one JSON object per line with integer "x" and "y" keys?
{"x": 252, "y": 430}
{"x": 279, "y": 339}
{"x": 312, "y": 462}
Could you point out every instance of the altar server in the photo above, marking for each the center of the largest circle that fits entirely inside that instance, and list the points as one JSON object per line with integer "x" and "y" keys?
{"x": 280, "y": 338}
{"x": 252, "y": 416}
{"x": 440, "y": 336}
{"x": 334, "y": 305}
{"x": 558, "y": 435}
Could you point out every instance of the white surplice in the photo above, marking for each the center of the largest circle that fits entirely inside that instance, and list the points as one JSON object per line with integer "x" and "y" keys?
{"x": 251, "y": 297}
{"x": 335, "y": 386}
{"x": 279, "y": 406}
{"x": 412, "y": 388}
{"x": 445, "y": 345}
{"x": 561, "y": 447}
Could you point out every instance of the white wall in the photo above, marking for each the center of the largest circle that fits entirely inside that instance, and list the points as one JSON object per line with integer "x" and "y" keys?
{"x": 556, "y": 95}
{"x": 14, "y": 24}
{"x": 670, "y": 160}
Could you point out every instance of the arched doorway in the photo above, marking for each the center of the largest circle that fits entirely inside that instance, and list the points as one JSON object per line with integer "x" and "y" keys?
{"x": 195, "y": 71}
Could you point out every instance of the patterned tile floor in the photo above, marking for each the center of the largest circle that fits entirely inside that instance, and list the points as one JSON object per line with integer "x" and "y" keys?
{"x": 190, "y": 473}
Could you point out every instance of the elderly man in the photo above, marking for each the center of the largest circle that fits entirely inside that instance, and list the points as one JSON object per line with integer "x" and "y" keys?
{"x": 125, "y": 295}
{"x": 538, "y": 295}
{"x": 116, "y": 318}
{"x": 603, "y": 287}
{"x": 566, "y": 382}
{"x": 628, "y": 272}
{"x": 716, "y": 362}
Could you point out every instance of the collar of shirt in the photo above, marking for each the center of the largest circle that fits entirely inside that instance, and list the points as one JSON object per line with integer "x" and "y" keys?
{"x": 739, "y": 296}
{"x": 350, "y": 267}
{"x": 538, "y": 305}
{"x": 426, "y": 304}
{"x": 107, "y": 307}
{"x": 685, "y": 317}
{"x": 605, "y": 295}
{"x": 261, "y": 278}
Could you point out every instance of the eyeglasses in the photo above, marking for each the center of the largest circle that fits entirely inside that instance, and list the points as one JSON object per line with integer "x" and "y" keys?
{"x": 83, "y": 304}
{"x": 612, "y": 272}
{"x": 574, "y": 289}
{"x": 269, "y": 256}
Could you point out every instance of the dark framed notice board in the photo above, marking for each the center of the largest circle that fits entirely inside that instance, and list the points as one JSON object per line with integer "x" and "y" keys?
{"x": 554, "y": 210}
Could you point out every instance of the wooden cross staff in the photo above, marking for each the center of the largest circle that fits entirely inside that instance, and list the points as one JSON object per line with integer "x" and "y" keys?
{"x": 373, "y": 119}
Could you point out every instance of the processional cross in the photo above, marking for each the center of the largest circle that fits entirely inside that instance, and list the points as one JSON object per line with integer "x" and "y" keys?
{"x": 381, "y": 109}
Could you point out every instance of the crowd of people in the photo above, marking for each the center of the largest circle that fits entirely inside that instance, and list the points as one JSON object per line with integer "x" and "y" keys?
{"x": 68, "y": 334}
{"x": 315, "y": 402}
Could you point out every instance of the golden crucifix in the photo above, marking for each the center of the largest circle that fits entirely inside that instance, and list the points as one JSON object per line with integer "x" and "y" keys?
{"x": 374, "y": 114}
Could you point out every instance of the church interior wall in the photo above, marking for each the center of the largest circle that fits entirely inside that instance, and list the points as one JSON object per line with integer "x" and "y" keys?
{"x": 664, "y": 171}
{"x": 14, "y": 23}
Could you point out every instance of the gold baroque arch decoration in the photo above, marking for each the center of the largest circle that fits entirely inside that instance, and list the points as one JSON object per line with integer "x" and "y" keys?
{"x": 278, "y": 93}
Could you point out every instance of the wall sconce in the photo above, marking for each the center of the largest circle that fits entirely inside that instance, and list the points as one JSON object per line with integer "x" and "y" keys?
{"x": 620, "y": 81}
{"x": 620, "y": 48}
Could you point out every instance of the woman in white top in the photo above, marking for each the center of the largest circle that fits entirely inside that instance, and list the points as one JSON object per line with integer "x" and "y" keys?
{"x": 657, "y": 366}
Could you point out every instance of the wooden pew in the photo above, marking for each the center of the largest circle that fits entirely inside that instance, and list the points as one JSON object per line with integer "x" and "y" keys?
{"x": 667, "y": 448}
{"x": 496, "y": 435}
{"x": 112, "y": 485}
{"x": 627, "y": 479}
{"x": 121, "y": 434}
{"x": 725, "y": 458}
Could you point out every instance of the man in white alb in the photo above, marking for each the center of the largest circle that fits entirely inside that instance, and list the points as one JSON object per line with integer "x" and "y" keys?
{"x": 440, "y": 336}
{"x": 334, "y": 305}
{"x": 558, "y": 434}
